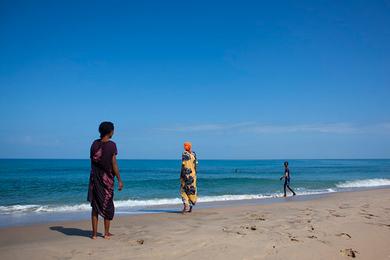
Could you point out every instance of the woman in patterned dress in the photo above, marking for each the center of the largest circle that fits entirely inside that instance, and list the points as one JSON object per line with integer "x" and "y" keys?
{"x": 188, "y": 178}
{"x": 101, "y": 181}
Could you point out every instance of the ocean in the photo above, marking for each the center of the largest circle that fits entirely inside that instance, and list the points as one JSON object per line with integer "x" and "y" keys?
{"x": 42, "y": 190}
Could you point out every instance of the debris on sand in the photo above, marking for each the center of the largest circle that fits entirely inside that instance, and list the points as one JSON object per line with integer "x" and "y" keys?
{"x": 343, "y": 235}
{"x": 249, "y": 227}
{"x": 257, "y": 217}
{"x": 348, "y": 252}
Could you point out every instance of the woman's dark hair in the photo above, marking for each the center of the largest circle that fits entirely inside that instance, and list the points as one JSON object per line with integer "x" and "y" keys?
{"x": 105, "y": 128}
{"x": 286, "y": 163}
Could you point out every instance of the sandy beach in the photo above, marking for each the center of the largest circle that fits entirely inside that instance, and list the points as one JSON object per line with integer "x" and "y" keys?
{"x": 337, "y": 226}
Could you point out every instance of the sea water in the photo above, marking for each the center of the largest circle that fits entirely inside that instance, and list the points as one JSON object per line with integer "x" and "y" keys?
{"x": 55, "y": 189}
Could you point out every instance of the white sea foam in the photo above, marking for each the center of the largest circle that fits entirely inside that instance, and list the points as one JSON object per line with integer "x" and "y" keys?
{"x": 123, "y": 204}
{"x": 42, "y": 208}
{"x": 364, "y": 183}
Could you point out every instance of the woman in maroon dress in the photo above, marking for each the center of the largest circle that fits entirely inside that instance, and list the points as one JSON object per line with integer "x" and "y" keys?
{"x": 101, "y": 182}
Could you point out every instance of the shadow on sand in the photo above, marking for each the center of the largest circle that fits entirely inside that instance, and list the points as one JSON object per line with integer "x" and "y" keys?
{"x": 73, "y": 231}
{"x": 160, "y": 211}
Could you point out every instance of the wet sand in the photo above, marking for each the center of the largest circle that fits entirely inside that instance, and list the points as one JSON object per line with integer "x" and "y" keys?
{"x": 337, "y": 226}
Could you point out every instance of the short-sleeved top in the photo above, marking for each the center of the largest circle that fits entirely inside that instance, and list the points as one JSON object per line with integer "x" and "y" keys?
{"x": 101, "y": 154}
{"x": 287, "y": 172}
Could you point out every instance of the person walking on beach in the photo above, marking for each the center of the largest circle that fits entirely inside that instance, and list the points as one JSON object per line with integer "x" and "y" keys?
{"x": 286, "y": 177}
{"x": 188, "y": 178}
{"x": 104, "y": 168}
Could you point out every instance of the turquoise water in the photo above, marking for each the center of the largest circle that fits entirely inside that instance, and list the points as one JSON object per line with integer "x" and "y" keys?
{"x": 60, "y": 186}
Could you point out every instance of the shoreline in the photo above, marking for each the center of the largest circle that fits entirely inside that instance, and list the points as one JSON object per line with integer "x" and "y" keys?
{"x": 35, "y": 218}
{"x": 321, "y": 228}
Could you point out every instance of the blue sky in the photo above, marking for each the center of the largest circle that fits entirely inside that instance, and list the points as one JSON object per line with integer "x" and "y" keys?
{"x": 240, "y": 79}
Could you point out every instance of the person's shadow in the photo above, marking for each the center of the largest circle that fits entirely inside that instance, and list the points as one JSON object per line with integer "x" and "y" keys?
{"x": 73, "y": 231}
{"x": 161, "y": 211}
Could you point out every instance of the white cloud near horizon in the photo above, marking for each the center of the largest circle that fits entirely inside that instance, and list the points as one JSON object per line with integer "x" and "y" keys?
{"x": 207, "y": 127}
{"x": 258, "y": 128}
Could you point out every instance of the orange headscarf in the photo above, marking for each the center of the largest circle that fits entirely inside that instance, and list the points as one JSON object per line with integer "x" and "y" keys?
{"x": 187, "y": 146}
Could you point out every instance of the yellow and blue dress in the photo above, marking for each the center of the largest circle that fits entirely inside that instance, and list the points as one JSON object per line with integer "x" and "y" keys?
{"x": 188, "y": 178}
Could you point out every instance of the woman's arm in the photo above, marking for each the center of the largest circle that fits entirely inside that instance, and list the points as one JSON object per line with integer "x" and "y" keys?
{"x": 116, "y": 172}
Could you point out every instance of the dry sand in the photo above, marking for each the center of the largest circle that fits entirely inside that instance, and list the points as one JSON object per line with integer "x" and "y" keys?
{"x": 331, "y": 227}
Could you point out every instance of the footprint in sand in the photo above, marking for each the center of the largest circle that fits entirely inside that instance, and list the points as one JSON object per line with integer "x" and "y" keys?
{"x": 253, "y": 228}
{"x": 229, "y": 231}
{"x": 346, "y": 235}
{"x": 292, "y": 238}
{"x": 348, "y": 252}
{"x": 338, "y": 215}
{"x": 345, "y": 206}
{"x": 324, "y": 242}
{"x": 309, "y": 212}
{"x": 257, "y": 217}
{"x": 312, "y": 237}
{"x": 334, "y": 214}
{"x": 368, "y": 215}
{"x": 137, "y": 242}
{"x": 383, "y": 225}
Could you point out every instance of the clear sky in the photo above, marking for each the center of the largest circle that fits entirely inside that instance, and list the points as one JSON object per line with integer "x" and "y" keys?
{"x": 240, "y": 79}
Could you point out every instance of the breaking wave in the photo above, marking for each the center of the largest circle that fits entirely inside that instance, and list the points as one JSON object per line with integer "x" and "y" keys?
{"x": 123, "y": 204}
{"x": 364, "y": 183}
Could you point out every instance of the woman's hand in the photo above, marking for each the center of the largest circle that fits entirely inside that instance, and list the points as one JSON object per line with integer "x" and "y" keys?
{"x": 120, "y": 185}
{"x": 116, "y": 172}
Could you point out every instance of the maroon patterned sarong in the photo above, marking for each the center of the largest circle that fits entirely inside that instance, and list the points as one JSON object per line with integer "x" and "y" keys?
{"x": 101, "y": 181}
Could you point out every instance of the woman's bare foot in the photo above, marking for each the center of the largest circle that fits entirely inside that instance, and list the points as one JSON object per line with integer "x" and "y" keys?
{"x": 107, "y": 236}
{"x": 185, "y": 209}
{"x": 93, "y": 237}
{"x": 190, "y": 210}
